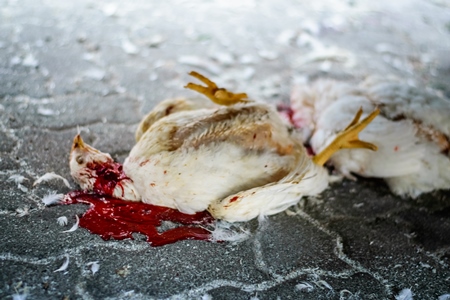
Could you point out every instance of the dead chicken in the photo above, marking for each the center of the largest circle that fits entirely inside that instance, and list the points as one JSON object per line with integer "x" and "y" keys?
{"x": 412, "y": 132}
{"x": 237, "y": 159}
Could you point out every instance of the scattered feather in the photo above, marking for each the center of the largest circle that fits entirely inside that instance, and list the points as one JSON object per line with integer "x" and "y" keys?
{"x": 225, "y": 232}
{"x": 269, "y": 55}
{"x": 305, "y": 287}
{"x": 52, "y": 198}
{"x": 386, "y": 48}
{"x": 321, "y": 54}
{"x": 74, "y": 227}
{"x": 286, "y": 37}
{"x": 62, "y": 221}
{"x": 30, "y": 61}
{"x": 17, "y": 178}
{"x": 405, "y": 294}
{"x": 21, "y": 212}
{"x": 95, "y": 74}
{"x": 22, "y": 188}
{"x": 263, "y": 222}
{"x": 64, "y": 265}
{"x": 88, "y": 56}
{"x": 248, "y": 73}
{"x": 46, "y": 111}
{"x": 153, "y": 76}
{"x": 248, "y": 59}
{"x": 323, "y": 284}
{"x": 110, "y": 10}
{"x": 206, "y": 297}
{"x": 19, "y": 296}
{"x": 51, "y": 176}
{"x": 94, "y": 266}
{"x": 155, "y": 40}
{"x": 224, "y": 58}
{"x": 129, "y": 47}
{"x": 15, "y": 61}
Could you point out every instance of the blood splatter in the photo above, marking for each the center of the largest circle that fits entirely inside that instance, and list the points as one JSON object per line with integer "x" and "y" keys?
{"x": 118, "y": 219}
{"x": 235, "y": 198}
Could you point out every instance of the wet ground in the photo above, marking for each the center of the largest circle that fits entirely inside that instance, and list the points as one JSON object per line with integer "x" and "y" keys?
{"x": 98, "y": 67}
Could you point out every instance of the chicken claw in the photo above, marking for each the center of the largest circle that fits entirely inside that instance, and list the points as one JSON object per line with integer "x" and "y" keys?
{"x": 348, "y": 138}
{"x": 217, "y": 95}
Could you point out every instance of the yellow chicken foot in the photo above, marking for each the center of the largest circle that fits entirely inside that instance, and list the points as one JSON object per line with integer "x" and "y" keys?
{"x": 217, "y": 95}
{"x": 348, "y": 138}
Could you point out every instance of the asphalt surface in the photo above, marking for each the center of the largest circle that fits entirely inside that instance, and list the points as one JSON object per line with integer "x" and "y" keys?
{"x": 98, "y": 67}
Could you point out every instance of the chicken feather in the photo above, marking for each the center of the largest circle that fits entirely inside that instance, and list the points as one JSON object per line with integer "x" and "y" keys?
{"x": 412, "y": 132}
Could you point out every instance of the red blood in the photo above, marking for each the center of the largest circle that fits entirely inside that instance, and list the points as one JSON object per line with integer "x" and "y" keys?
{"x": 287, "y": 111}
{"x": 118, "y": 219}
{"x": 310, "y": 150}
{"x": 108, "y": 175}
{"x": 235, "y": 198}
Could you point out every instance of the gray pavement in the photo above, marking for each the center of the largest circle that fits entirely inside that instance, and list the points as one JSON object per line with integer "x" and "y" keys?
{"x": 101, "y": 65}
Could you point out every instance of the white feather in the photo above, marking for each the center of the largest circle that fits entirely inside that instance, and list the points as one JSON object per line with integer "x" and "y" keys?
{"x": 74, "y": 227}
{"x": 17, "y": 178}
{"x": 207, "y": 297}
{"x": 22, "y": 188}
{"x": 405, "y": 294}
{"x": 21, "y": 212}
{"x": 64, "y": 265}
{"x": 19, "y": 296}
{"x": 62, "y": 221}
{"x": 304, "y": 287}
{"x": 323, "y": 284}
{"x": 51, "y": 176}
{"x": 94, "y": 266}
{"x": 52, "y": 198}
{"x": 224, "y": 231}
{"x": 444, "y": 297}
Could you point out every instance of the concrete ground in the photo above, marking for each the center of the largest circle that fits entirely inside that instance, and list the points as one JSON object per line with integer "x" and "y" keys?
{"x": 101, "y": 65}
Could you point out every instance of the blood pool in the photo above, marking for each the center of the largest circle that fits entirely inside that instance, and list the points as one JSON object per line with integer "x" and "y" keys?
{"x": 118, "y": 219}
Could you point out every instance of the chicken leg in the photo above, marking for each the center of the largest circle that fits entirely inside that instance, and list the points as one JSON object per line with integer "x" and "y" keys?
{"x": 348, "y": 138}
{"x": 217, "y": 95}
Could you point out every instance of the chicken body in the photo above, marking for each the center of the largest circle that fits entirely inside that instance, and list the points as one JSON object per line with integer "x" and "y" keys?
{"x": 238, "y": 161}
{"x": 412, "y": 132}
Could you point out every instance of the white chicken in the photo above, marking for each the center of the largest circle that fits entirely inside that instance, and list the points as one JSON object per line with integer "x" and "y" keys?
{"x": 412, "y": 132}
{"x": 238, "y": 160}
